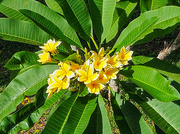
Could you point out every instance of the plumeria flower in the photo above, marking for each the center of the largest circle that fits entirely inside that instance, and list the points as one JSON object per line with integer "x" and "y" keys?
{"x": 95, "y": 86}
{"x": 100, "y": 54}
{"x": 110, "y": 73}
{"x": 124, "y": 56}
{"x": 113, "y": 61}
{"x": 99, "y": 64}
{"x": 50, "y": 46}
{"x": 75, "y": 66}
{"x": 87, "y": 75}
{"x": 103, "y": 78}
{"x": 57, "y": 84}
{"x": 44, "y": 57}
{"x": 64, "y": 71}
{"x": 85, "y": 65}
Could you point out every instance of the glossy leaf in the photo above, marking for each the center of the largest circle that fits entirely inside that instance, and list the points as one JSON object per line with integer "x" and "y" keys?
{"x": 21, "y": 60}
{"x": 50, "y": 21}
{"x": 122, "y": 14}
{"x": 102, "y": 16}
{"x": 162, "y": 67}
{"x": 137, "y": 33}
{"x": 52, "y": 28}
{"x": 165, "y": 115}
{"x": 54, "y": 6}
{"x": 27, "y": 83}
{"x": 128, "y": 117}
{"x": 152, "y": 82}
{"x": 168, "y": 17}
{"x": 77, "y": 15}
{"x": 57, "y": 121}
{"x": 80, "y": 115}
{"x": 22, "y": 31}
{"x": 99, "y": 122}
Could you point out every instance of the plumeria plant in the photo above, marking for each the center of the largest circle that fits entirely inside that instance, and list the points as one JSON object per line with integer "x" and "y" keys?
{"x": 83, "y": 49}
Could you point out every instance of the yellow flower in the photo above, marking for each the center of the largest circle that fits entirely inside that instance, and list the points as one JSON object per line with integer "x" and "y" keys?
{"x": 63, "y": 71}
{"x": 99, "y": 64}
{"x": 110, "y": 73}
{"x": 102, "y": 78}
{"x": 44, "y": 57}
{"x": 57, "y": 84}
{"x": 100, "y": 54}
{"x": 50, "y": 46}
{"x": 113, "y": 61}
{"x": 95, "y": 86}
{"x": 87, "y": 75}
{"x": 74, "y": 66}
{"x": 124, "y": 56}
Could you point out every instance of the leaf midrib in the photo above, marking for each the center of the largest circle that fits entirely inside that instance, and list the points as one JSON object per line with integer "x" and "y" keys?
{"x": 160, "y": 115}
{"x": 23, "y": 93}
{"x": 153, "y": 87}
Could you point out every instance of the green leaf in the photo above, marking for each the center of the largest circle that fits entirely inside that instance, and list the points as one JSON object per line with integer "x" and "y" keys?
{"x": 80, "y": 115}
{"x": 165, "y": 115}
{"x": 160, "y": 66}
{"x": 77, "y": 15}
{"x": 128, "y": 117}
{"x": 143, "y": 5}
{"x": 50, "y": 21}
{"x": 99, "y": 122}
{"x": 137, "y": 33}
{"x": 152, "y": 82}
{"x": 54, "y": 29}
{"x": 155, "y": 4}
{"x": 121, "y": 16}
{"x": 21, "y": 60}
{"x": 54, "y": 6}
{"x": 33, "y": 115}
{"x": 102, "y": 15}
{"x": 168, "y": 17}
{"x": 26, "y": 83}
{"x": 11, "y": 13}
{"x": 22, "y": 31}
{"x": 56, "y": 122}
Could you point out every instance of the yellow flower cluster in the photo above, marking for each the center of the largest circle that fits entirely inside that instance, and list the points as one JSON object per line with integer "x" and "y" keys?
{"x": 48, "y": 49}
{"x": 95, "y": 72}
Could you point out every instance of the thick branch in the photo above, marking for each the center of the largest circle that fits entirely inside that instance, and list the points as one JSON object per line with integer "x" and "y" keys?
{"x": 169, "y": 48}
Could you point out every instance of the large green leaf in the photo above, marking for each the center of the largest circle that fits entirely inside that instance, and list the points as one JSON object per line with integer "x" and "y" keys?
{"x": 49, "y": 20}
{"x": 21, "y": 60}
{"x": 128, "y": 117}
{"x": 77, "y": 15}
{"x": 34, "y": 113}
{"x": 26, "y": 83}
{"x": 121, "y": 16}
{"x": 56, "y": 122}
{"x": 152, "y": 82}
{"x": 22, "y": 31}
{"x": 102, "y": 15}
{"x": 99, "y": 122}
{"x": 168, "y": 17}
{"x": 162, "y": 67}
{"x": 54, "y": 6}
{"x": 80, "y": 115}
{"x": 165, "y": 115}
{"x": 137, "y": 33}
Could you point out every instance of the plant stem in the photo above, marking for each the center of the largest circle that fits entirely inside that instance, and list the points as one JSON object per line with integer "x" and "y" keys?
{"x": 95, "y": 43}
{"x": 89, "y": 45}
{"x": 110, "y": 51}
